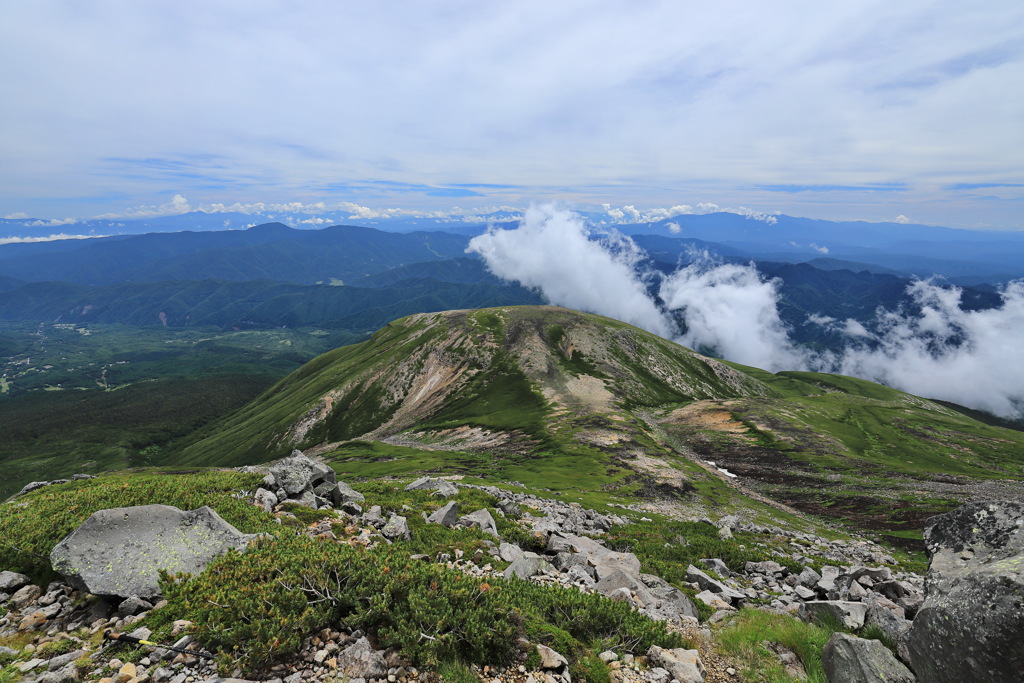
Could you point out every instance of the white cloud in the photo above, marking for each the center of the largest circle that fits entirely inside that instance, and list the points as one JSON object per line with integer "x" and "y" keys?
{"x": 902, "y": 219}
{"x": 731, "y": 310}
{"x": 552, "y": 251}
{"x": 48, "y": 238}
{"x": 52, "y": 223}
{"x": 177, "y": 206}
{"x": 673, "y": 228}
{"x": 938, "y": 350}
{"x": 819, "y": 249}
{"x": 16, "y": 216}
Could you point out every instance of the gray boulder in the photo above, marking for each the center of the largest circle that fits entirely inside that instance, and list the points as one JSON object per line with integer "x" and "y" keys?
{"x": 446, "y": 516}
{"x": 265, "y": 499}
{"x": 526, "y": 566}
{"x": 12, "y": 581}
{"x": 848, "y": 659}
{"x": 889, "y": 617}
{"x": 360, "y": 660}
{"x": 32, "y": 486}
{"x": 294, "y": 474}
{"x": 481, "y": 519}
{"x": 120, "y": 551}
{"x": 808, "y": 578}
{"x": 850, "y": 614}
{"x": 682, "y": 665}
{"x": 349, "y": 494}
{"x": 441, "y": 487}
{"x": 972, "y": 608}
{"x": 610, "y": 583}
{"x": 397, "y": 527}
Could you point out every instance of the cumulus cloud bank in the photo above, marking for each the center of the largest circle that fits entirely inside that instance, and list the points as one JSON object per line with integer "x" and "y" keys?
{"x": 935, "y": 349}
{"x": 969, "y": 357}
{"x": 553, "y": 251}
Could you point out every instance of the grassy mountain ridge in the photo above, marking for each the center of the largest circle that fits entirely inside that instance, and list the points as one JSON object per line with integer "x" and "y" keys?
{"x": 586, "y": 404}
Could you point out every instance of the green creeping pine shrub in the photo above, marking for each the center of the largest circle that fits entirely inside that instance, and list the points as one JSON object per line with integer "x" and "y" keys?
{"x": 32, "y": 525}
{"x": 257, "y": 605}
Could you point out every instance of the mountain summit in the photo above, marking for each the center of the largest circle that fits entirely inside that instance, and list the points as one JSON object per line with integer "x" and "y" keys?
{"x": 580, "y": 403}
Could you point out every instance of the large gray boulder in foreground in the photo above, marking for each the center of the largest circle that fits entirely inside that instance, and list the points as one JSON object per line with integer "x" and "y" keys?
{"x": 849, "y": 659}
{"x": 969, "y": 627}
{"x": 120, "y": 551}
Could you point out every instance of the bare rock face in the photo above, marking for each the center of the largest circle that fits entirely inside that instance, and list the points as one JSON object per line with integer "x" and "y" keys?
{"x": 120, "y": 551}
{"x": 973, "y": 610}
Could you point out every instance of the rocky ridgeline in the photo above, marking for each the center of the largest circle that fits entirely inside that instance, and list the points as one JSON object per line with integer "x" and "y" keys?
{"x": 960, "y": 624}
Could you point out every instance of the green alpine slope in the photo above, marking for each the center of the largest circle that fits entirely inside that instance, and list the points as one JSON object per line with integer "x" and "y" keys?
{"x": 588, "y": 406}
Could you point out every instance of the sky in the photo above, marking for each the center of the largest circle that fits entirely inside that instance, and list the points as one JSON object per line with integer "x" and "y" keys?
{"x": 907, "y": 111}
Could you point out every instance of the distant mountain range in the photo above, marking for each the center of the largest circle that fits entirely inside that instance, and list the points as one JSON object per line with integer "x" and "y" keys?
{"x": 350, "y": 277}
{"x": 967, "y": 257}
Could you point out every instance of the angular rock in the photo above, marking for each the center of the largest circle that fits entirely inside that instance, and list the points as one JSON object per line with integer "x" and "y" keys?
{"x": 619, "y": 579}
{"x": 682, "y": 665}
{"x": 305, "y": 499}
{"x": 397, "y": 527}
{"x": 972, "y": 610}
{"x": 808, "y": 578}
{"x": 442, "y": 487}
{"x": 32, "y": 486}
{"x": 121, "y": 550}
{"x": 848, "y": 659}
{"x": 446, "y": 516}
{"x": 717, "y": 566}
{"x": 360, "y": 660}
{"x": 509, "y": 552}
{"x": 132, "y": 606}
{"x": 577, "y": 574}
{"x": 525, "y": 567}
{"x": 349, "y": 494}
{"x": 889, "y": 617}
{"x": 481, "y": 519}
{"x": 12, "y": 581}
{"x": 850, "y": 614}
{"x": 827, "y": 584}
{"x": 714, "y": 601}
{"x": 25, "y": 595}
{"x": 805, "y": 593}
{"x": 551, "y": 660}
{"x": 669, "y": 603}
{"x": 328, "y": 492}
{"x": 767, "y": 567}
{"x": 265, "y": 499}
{"x": 294, "y": 474}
